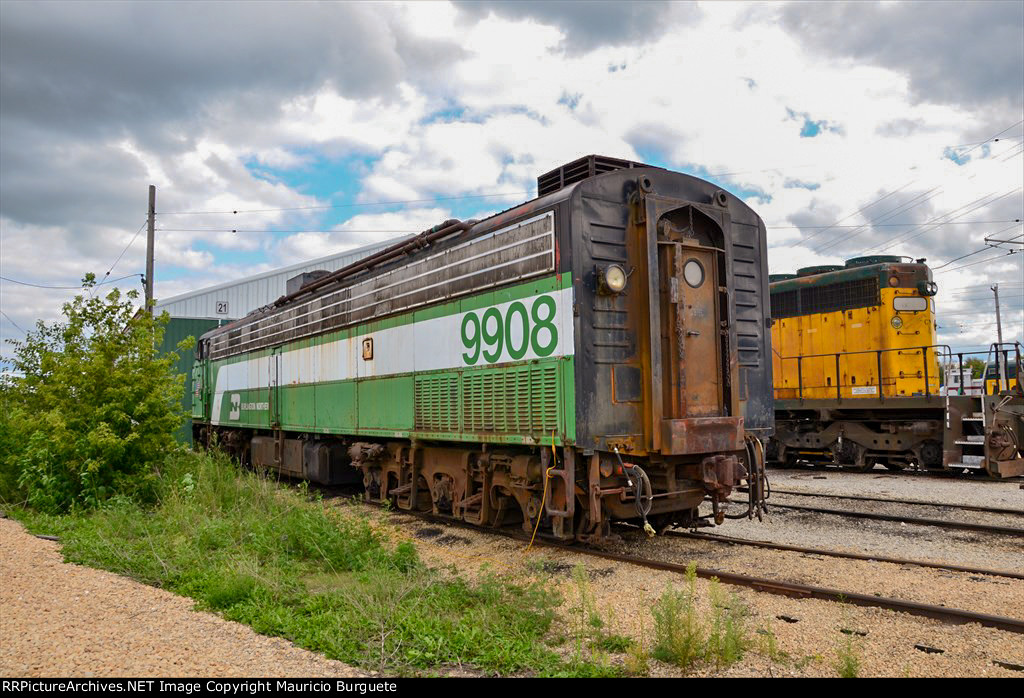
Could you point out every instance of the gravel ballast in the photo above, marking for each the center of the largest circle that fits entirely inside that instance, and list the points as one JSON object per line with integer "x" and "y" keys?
{"x": 809, "y": 632}
{"x": 64, "y": 620}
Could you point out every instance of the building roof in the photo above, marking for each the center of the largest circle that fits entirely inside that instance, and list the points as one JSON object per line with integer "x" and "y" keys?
{"x": 235, "y": 299}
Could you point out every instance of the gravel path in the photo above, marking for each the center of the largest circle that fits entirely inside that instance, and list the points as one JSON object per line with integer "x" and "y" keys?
{"x": 64, "y": 620}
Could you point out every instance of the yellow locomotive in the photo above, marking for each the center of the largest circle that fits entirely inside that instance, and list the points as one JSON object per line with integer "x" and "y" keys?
{"x": 855, "y": 366}
{"x": 863, "y": 329}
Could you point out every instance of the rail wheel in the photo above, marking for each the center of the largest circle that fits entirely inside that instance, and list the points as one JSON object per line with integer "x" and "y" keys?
{"x": 850, "y": 456}
{"x": 931, "y": 454}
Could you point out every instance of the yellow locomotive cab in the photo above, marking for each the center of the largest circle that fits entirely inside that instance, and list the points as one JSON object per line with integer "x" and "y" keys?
{"x": 862, "y": 330}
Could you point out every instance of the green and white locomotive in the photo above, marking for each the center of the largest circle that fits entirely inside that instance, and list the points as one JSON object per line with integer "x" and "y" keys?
{"x": 599, "y": 353}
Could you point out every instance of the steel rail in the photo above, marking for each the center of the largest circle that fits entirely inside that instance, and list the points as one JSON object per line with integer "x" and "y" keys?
{"x": 976, "y": 478}
{"x": 838, "y": 553}
{"x": 965, "y": 507}
{"x": 985, "y": 528}
{"x": 956, "y": 616}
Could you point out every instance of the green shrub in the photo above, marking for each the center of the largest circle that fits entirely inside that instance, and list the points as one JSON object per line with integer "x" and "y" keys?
{"x": 90, "y": 408}
{"x": 728, "y": 637}
{"x": 678, "y": 634}
{"x": 847, "y": 659}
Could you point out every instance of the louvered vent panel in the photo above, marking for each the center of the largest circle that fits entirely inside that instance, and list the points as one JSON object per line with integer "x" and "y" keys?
{"x": 519, "y": 400}
{"x": 437, "y": 402}
{"x": 578, "y": 170}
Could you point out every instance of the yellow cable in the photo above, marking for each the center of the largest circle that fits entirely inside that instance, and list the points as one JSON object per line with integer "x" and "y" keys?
{"x": 544, "y": 495}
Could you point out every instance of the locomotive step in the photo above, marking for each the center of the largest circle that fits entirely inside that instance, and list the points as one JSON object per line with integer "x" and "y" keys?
{"x": 973, "y": 440}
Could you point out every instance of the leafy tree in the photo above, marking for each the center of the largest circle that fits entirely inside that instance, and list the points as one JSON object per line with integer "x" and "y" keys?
{"x": 90, "y": 408}
{"x": 977, "y": 367}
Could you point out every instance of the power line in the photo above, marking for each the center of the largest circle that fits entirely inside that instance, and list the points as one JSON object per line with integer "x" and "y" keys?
{"x": 974, "y": 205}
{"x": 412, "y": 230}
{"x": 890, "y": 225}
{"x": 970, "y": 254}
{"x": 72, "y": 288}
{"x": 864, "y": 227}
{"x": 13, "y": 322}
{"x": 335, "y": 206}
{"x": 980, "y": 261}
{"x": 126, "y": 248}
{"x": 241, "y": 230}
{"x": 882, "y": 198}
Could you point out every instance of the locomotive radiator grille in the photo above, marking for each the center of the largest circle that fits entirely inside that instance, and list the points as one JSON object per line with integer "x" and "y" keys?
{"x": 437, "y": 402}
{"x": 517, "y": 399}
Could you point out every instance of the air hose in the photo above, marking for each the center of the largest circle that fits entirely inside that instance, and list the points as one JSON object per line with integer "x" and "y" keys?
{"x": 643, "y": 484}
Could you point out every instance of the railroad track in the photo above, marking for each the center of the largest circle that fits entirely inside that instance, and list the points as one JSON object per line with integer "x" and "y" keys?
{"x": 838, "y": 553}
{"x": 941, "y": 523}
{"x": 863, "y": 498}
{"x": 973, "y": 477}
{"x": 945, "y": 614}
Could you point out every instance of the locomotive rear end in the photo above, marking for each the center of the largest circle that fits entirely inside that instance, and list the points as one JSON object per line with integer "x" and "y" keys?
{"x": 599, "y": 353}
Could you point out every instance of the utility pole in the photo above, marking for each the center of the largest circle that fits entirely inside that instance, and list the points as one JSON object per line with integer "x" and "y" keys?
{"x": 149, "y": 249}
{"x": 999, "y": 334}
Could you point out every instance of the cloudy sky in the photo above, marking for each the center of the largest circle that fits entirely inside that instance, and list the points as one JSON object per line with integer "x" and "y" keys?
{"x": 851, "y": 128}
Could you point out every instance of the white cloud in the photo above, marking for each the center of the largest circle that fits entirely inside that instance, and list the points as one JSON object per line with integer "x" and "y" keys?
{"x": 726, "y": 89}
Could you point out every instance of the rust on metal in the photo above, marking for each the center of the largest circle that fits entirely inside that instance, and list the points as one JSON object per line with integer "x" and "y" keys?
{"x": 702, "y": 435}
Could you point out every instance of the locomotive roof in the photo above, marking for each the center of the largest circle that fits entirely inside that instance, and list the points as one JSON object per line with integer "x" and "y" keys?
{"x": 918, "y": 271}
{"x": 483, "y": 226}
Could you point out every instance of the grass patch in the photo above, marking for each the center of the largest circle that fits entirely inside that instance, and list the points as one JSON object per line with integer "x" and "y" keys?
{"x": 278, "y": 560}
{"x": 847, "y": 659}
{"x": 682, "y": 636}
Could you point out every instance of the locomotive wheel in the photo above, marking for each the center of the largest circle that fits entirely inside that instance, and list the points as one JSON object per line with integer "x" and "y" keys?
{"x": 931, "y": 454}
{"x": 850, "y": 457}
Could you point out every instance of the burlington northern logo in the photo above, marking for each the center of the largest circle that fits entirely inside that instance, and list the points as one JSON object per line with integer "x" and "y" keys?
{"x": 237, "y": 406}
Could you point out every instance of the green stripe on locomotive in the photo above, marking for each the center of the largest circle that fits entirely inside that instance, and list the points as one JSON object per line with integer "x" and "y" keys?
{"x": 518, "y": 388}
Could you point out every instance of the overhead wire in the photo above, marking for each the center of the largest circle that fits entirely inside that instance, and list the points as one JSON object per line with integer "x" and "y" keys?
{"x": 130, "y": 243}
{"x": 804, "y": 239}
{"x": 13, "y": 322}
{"x": 934, "y": 223}
{"x": 325, "y": 207}
{"x": 72, "y": 288}
{"x": 980, "y": 261}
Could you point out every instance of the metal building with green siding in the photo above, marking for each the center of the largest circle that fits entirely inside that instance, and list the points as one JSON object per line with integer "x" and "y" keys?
{"x": 178, "y": 329}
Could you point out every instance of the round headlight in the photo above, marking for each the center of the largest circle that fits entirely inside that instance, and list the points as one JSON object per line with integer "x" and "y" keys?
{"x": 896, "y": 322}
{"x": 894, "y": 281}
{"x": 614, "y": 278}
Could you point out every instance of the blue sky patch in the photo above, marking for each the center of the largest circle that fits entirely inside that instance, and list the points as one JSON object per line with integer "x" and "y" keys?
{"x": 955, "y": 156}
{"x": 653, "y": 157}
{"x": 812, "y": 127}
{"x": 797, "y": 184}
{"x": 570, "y": 100}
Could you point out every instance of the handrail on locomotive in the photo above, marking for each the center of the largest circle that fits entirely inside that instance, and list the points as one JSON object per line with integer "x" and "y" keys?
{"x": 943, "y": 351}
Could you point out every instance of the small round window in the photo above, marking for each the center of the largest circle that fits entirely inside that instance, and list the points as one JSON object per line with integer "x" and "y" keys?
{"x": 693, "y": 273}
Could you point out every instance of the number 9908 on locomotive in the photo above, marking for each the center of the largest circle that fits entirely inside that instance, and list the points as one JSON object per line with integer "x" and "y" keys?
{"x": 597, "y": 354}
